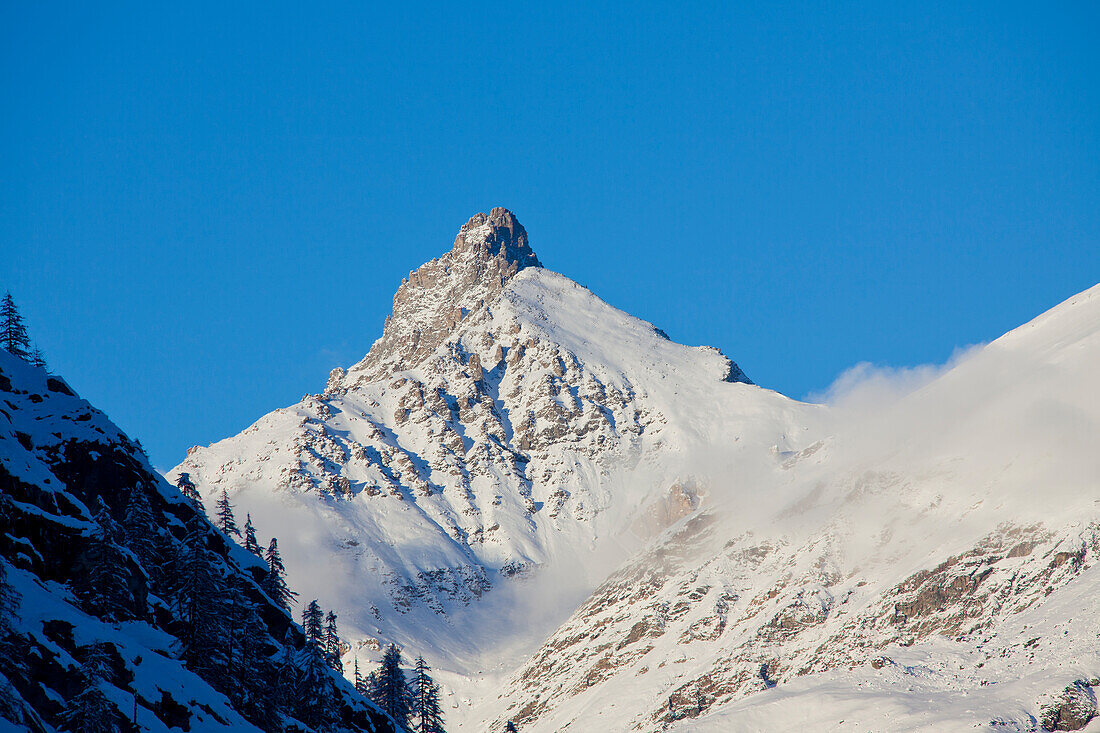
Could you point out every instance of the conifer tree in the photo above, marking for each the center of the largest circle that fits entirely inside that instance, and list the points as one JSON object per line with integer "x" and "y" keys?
{"x": 201, "y": 606}
{"x": 275, "y": 583}
{"x": 286, "y": 672}
{"x": 510, "y": 728}
{"x": 427, "y": 716}
{"x": 313, "y": 620}
{"x": 13, "y": 332}
{"x": 333, "y": 652}
{"x": 141, "y": 530}
{"x": 89, "y": 711}
{"x": 224, "y": 519}
{"x": 104, "y": 587}
{"x": 250, "y": 672}
{"x": 358, "y": 679}
{"x": 389, "y": 690}
{"x": 250, "y": 542}
{"x": 187, "y": 488}
{"x": 37, "y": 358}
{"x": 314, "y": 693}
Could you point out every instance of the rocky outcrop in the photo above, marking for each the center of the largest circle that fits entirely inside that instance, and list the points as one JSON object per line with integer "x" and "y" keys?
{"x": 721, "y": 619}
{"x": 1073, "y": 709}
{"x": 436, "y": 297}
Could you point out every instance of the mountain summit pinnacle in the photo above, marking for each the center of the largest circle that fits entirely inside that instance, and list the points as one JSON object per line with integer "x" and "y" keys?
{"x": 498, "y": 234}
{"x": 435, "y": 298}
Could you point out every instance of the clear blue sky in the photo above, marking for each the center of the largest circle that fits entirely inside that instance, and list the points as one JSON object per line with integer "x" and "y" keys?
{"x": 207, "y": 206}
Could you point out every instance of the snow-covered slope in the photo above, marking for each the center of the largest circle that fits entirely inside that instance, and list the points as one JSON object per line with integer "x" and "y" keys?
{"x": 98, "y": 556}
{"x": 508, "y": 441}
{"x": 932, "y": 566}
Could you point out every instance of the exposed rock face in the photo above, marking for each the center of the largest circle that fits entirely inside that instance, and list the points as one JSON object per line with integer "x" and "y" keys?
{"x": 691, "y": 634}
{"x": 435, "y": 298}
{"x": 664, "y": 511}
{"x": 1072, "y": 710}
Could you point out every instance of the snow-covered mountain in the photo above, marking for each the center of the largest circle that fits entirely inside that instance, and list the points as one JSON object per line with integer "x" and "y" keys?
{"x": 508, "y": 440}
{"x": 582, "y": 523}
{"x": 932, "y": 566}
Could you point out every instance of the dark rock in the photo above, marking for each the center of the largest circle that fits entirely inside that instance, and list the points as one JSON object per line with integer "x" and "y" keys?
{"x": 1072, "y": 710}
{"x": 58, "y": 385}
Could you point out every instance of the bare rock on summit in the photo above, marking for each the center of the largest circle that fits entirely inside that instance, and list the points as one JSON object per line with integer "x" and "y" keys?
{"x": 498, "y": 234}
{"x": 435, "y": 298}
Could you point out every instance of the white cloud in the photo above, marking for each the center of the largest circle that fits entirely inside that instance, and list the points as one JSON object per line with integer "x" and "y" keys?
{"x": 868, "y": 386}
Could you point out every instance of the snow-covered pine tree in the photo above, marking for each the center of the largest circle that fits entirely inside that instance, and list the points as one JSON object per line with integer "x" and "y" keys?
{"x": 141, "y": 530}
{"x": 250, "y": 672}
{"x": 224, "y": 519}
{"x": 104, "y": 587}
{"x": 313, "y": 623}
{"x": 13, "y": 332}
{"x": 357, "y": 679}
{"x": 275, "y": 583}
{"x": 89, "y": 711}
{"x": 250, "y": 542}
{"x": 314, "y": 693}
{"x": 370, "y": 682}
{"x": 333, "y": 652}
{"x": 389, "y": 690}
{"x": 201, "y": 606}
{"x": 427, "y": 715}
{"x": 187, "y": 488}
{"x": 285, "y": 686}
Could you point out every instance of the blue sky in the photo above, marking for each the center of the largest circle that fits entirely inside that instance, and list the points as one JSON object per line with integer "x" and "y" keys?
{"x": 208, "y": 206}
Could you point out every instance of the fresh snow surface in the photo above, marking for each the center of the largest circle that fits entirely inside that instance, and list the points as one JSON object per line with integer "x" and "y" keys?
{"x": 987, "y": 477}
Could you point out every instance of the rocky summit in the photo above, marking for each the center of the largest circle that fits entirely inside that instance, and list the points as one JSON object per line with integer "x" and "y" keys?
{"x": 435, "y": 298}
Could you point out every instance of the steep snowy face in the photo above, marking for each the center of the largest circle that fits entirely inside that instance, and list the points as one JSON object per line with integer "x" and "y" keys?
{"x": 436, "y": 297}
{"x": 504, "y": 445}
{"x": 938, "y": 545}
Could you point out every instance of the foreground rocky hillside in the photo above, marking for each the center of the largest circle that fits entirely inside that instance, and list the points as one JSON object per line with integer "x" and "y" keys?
{"x": 931, "y": 567}
{"x": 507, "y": 441}
{"x": 121, "y": 607}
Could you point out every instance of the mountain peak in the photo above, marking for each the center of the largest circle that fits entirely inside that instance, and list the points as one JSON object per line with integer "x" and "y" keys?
{"x": 436, "y": 297}
{"x": 497, "y": 234}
